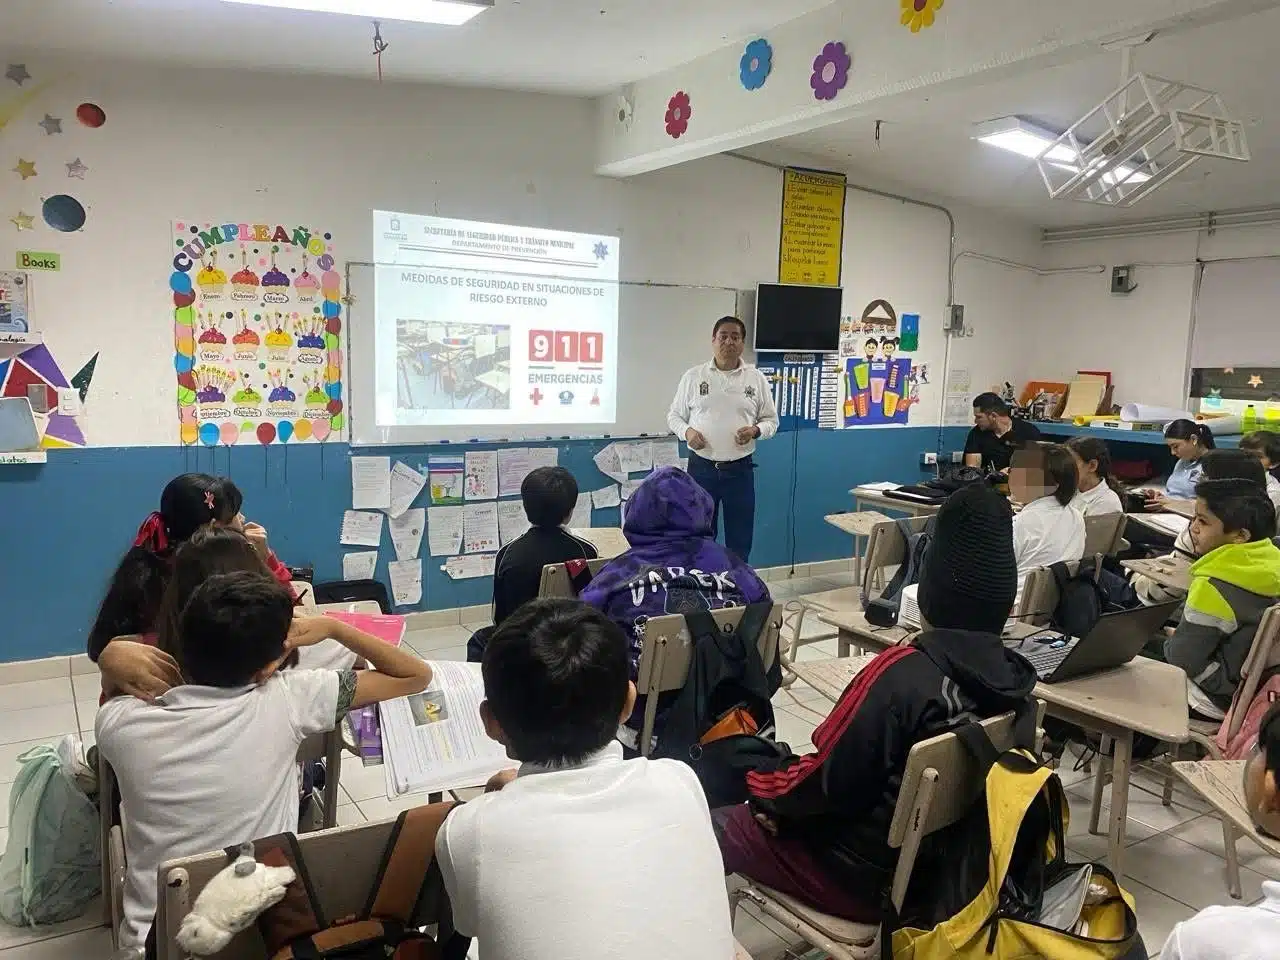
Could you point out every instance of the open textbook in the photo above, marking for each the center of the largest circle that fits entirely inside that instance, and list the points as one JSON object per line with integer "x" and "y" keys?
{"x": 434, "y": 740}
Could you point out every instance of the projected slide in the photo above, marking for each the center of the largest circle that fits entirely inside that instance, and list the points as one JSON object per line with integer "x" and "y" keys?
{"x": 482, "y": 323}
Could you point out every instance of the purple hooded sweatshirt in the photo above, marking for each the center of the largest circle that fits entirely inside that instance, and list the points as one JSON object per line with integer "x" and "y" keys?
{"x": 674, "y": 565}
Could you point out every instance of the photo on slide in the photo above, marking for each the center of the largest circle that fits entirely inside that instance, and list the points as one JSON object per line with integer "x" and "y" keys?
{"x": 453, "y": 366}
{"x": 428, "y": 708}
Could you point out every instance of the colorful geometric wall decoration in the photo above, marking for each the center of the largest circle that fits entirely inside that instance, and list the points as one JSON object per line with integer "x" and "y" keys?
{"x": 36, "y": 367}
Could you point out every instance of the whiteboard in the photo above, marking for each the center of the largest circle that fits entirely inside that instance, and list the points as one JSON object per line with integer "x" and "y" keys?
{"x": 1235, "y": 315}
{"x": 662, "y": 331}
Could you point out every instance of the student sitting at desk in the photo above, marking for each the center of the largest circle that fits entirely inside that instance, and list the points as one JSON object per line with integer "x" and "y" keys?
{"x": 816, "y": 827}
{"x": 549, "y": 495}
{"x": 1232, "y": 584}
{"x": 132, "y": 603}
{"x": 211, "y": 762}
{"x": 1097, "y": 492}
{"x": 1242, "y": 933}
{"x": 674, "y": 564}
{"x": 1265, "y": 445}
{"x": 1047, "y": 530}
{"x": 1214, "y": 465}
{"x": 579, "y": 853}
{"x": 1189, "y": 442}
{"x": 995, "y": 434}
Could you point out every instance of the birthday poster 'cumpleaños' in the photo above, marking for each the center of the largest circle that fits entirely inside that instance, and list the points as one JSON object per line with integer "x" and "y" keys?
{"x": 257, "y": 324}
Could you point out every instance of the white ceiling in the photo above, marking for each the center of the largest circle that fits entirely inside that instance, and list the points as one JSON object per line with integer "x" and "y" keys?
{"x": 580, "y": 47}
{"x": 925, "y": 144}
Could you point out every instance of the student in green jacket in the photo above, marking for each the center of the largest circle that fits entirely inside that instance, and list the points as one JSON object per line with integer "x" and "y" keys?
{"x": 1235, "y": 580}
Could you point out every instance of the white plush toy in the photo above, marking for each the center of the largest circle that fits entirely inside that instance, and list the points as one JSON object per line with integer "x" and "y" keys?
{"x": 230, "y": 902}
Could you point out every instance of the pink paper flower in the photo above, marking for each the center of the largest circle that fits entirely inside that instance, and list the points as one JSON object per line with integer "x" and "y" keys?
{"x": 679, "y": 110}
{"x": 830, "y": 71}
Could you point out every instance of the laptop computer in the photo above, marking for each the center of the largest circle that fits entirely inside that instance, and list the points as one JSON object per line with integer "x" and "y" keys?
{"x": 1115, "y": 640}
{"x": 18, "y": 431}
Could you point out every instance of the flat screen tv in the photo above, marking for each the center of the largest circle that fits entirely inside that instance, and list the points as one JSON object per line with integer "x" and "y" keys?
{"x": 797, "y": 318}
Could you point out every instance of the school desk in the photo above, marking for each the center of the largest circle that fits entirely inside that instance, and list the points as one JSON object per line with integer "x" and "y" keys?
{"x": 869, "y": 499}
{"x": 1169, "y": 572}
{"x": 1143, "y": 696}
{"x": 608, "y": 541}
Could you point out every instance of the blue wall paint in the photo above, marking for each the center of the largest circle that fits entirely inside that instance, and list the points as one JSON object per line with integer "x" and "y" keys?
{"x": 66, "y": 523}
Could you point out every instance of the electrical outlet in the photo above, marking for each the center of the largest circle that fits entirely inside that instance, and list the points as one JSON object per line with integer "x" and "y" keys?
{"x": 957, "y": 456}
{"x": 929, "y": 459}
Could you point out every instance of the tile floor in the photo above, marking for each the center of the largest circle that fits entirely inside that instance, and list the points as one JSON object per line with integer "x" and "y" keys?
{"x": 1175, "y": 864}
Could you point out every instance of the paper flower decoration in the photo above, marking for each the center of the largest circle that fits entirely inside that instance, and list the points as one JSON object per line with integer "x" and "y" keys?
{"x": 757, "y": 61}
{"x": 830, "y": 71}
{"x": 626, "y": 111}
{"x": 918, "y": 14}
{"x": 679, "y": 110}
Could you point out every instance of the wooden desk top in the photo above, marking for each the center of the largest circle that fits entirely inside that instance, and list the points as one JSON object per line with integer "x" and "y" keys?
{"x": 1221, "y": 783}
{"x": 1173, "y": 573}
{"x": 608, "y": 541}
{"x": 859, "y": 523}
{"x": 862, "y": 495}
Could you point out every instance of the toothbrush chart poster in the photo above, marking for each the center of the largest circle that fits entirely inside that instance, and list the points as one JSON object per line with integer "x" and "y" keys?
{"x": 257, "y": 328}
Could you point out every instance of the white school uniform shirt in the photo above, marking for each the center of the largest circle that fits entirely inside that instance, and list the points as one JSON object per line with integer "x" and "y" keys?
{"x": 718, "y": 403}
{"x": 1273, "y": 490}
{"x": 1045, "y": 532}
{"x": 205, "y": 768}
{"x": 614, "y": 858}
{"x": 1230, "y": 933}
{"x": 1098, "y": 501}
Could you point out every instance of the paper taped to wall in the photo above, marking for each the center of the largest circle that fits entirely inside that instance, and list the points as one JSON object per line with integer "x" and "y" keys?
{"x": 406, "y": 533}
{"x": 361, "y": 528}
{"x": 359, "y": 565}
{"x": 444, "y": 530}
{"x": 406, "y": 581}
{"x": 406, "y": 484}
{"x": 470, "y": 567}
{"x": 370, "y": 482}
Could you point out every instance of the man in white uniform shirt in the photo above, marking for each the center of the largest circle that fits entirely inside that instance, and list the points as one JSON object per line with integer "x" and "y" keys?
{"x": 721, "y": 409}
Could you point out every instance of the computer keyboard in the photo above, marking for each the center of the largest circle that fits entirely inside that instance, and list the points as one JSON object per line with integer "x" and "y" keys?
{"x": 1047, "y": 659}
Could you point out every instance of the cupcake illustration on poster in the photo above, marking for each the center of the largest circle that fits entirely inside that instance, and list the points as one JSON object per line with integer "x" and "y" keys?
{"x": 275, "y": 285}
{"x": 310, "y": 334}
{"x": 244, "y": 284}
{"x": 245, "y": 343}
{"x": 317, "y": 401}
{"x": 246, "y": 402}
{"x": 212, "y": 342}
{"x": 278, "y": 340}
{"x": 212, "y": 384}
{"x": 281, "y": 400}
{"x": 211, "y": 281}
{"x": 306, "y": 287}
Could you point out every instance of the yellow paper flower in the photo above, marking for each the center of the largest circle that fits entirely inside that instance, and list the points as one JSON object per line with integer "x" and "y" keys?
{"x": 918, "y": 14}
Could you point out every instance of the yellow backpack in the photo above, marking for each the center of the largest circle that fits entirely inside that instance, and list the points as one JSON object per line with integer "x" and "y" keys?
{"x": 1025, "y": 829}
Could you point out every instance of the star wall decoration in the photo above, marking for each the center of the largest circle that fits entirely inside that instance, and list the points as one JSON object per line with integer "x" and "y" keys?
{"x": 26, "y": 169}
{"x": 1255, "y": 381}
{"x": 17, "y": 72}
{"x": 22, "y": 220}
{"x": 76, "y": 169}
{"x": 51, "y": 125}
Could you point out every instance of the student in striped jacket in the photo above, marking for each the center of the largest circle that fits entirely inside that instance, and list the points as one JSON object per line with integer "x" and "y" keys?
{"x": 816, "y": 826}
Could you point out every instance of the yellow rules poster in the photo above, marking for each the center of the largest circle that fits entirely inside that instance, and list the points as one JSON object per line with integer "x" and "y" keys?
{"x": 812, "y": 227}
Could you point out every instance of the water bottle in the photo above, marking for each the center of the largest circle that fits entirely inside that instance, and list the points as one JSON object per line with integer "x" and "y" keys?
{"x": 1249, "y": 422}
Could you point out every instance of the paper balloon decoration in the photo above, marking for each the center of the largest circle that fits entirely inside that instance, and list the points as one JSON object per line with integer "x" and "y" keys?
{"x": 284, "y": 430}
{"x": 209, "y": 434}
{"x": 229, "y": 433}
{"x": 266, "y": 433}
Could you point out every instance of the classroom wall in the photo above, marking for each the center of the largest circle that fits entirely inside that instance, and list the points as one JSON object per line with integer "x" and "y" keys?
{"x": 195, "y": 144}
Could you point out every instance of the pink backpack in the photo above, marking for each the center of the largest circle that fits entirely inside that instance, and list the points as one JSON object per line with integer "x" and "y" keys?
{"x": 1238, "y": 746}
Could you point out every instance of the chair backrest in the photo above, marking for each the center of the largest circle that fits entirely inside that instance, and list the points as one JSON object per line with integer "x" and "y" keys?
{"x": 1040, "y": 594}
{"x": 939, "y": 786}
{"x": 555, "y": 579}
{"x": 1103, "y": 533}
{"x": 667, "y": 652}
{"x": 1264, "y": 653}
{"x": 886, "y": 547}
{"x": 342, "y": 863}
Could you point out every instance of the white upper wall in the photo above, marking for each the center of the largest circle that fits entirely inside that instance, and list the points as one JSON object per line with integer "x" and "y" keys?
{"x": 324, "y": 152}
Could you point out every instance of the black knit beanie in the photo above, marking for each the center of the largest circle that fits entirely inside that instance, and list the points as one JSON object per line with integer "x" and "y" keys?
{"x": 970, "y": 577}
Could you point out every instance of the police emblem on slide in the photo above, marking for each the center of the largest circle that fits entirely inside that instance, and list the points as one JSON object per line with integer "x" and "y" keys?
{"x": 750, "y": 391}
{"x": 566, "y": 397}
{"x": 704, "y": 388}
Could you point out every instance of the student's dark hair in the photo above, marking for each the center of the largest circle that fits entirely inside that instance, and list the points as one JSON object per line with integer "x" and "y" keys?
{"x": 1264, "y": 442}
{"x": 132, "y": 601}
{"x": 234, "y": 625}
{"x": 1240, "y": 505}
{"x": 209, "y": 552}
{"x": 990, "y": 403}
{"x": 555, "y": 677}
{"x": 1231, "y": 464}
{"x": 1058, "y": 467}
{"x": 1095, "y": 449}
{"x": 726, "y": 321}
{"x": 549, "y": 495}
{"x": 1190, "y": 430}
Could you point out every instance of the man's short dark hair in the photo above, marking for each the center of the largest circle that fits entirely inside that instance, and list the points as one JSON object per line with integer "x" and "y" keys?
{"x": 1228, "y": 464}
{"x": 990, "y": 403}
{"x": 234, "y": 625}
{"x": 1240, "y": 505}
{"x": 555, "y": 676}
{"x": 549, "y": 495}
{"x": 725, "y": 321}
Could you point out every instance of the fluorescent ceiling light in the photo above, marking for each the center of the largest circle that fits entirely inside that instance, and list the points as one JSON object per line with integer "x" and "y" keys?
{"x": 450, "y": 13}
{"x": 1027, "y": 140}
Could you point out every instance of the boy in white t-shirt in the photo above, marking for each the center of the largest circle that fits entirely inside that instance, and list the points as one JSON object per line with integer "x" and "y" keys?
{"x": 581, "y": 854}
{"x": 210, "y": 764}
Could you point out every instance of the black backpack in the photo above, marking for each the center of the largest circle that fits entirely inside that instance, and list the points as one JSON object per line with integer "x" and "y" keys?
{"x": 1080, "y": 599}
{"x": 725, "y": 674}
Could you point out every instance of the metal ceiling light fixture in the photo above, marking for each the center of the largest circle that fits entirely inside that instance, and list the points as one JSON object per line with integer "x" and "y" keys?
{"x": 1146, "y": 131}
{"x": 450, "y": 13}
